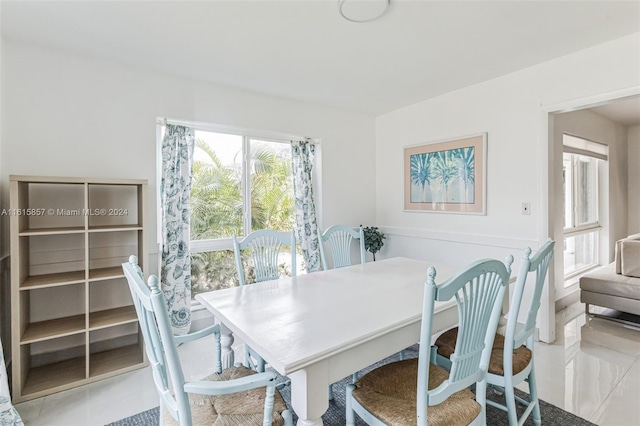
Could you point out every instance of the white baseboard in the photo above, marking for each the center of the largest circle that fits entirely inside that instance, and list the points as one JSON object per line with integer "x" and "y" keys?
{"x": 568, "y": 300}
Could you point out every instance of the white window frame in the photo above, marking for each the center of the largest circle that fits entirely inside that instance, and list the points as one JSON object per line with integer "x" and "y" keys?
{"x": 219, "y": 244}
{"x": 576, "y": 146}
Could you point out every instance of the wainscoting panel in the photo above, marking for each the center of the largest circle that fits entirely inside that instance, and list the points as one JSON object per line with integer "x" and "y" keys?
{"x": 455, "y": 249}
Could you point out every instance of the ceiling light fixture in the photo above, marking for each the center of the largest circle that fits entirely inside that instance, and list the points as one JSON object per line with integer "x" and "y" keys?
{"x": 341, "y": 3}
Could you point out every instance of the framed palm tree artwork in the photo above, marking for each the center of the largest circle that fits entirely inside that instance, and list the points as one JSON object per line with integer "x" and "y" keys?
{"x": 447, "y": 176}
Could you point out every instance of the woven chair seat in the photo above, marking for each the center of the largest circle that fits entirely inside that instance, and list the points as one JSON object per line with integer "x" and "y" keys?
{"x": 446, "y": 344}
{"x": 389, "y": 393}
{"x": 243, "y": 408}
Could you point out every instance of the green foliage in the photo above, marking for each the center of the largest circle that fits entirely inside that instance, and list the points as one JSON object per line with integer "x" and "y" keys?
{"x": 212, "y": 271}
{"x": 216, "y": 208}
{"x": 373, "y": 240}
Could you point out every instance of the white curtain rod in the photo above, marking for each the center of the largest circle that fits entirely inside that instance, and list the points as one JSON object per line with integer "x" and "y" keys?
{"x": 219, "y": 128}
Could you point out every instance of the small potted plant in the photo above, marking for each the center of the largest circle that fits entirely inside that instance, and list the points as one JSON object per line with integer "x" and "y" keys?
{"x": 373, "y": 240}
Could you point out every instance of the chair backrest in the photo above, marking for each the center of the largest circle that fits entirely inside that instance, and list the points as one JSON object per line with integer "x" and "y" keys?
{"x": 160, "y": 346}
{"x": 479, "y": 290}
{"x": 339, "y": 238}
{"x": 538, "y": 263}
{"x": 263, "y": 247}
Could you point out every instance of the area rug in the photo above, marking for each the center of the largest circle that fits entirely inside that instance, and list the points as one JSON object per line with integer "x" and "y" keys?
{"x": 335, "y": 415}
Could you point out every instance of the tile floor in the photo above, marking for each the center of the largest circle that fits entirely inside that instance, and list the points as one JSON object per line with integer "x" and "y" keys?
{"x": 593, "y": 371}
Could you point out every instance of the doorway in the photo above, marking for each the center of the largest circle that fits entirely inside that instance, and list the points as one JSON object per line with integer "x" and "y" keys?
{"x": 613, "y": 121}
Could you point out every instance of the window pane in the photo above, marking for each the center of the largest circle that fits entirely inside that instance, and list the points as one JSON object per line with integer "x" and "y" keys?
{"x": 587, "y": 190}
{"x": 580, "y": 252}
{"x": 218, "y": 206}
{"x": 216, "y": 186}
{"x": 212, "y": 271}
{"x": 272, "y": 201}
{"x": 567, "y": 179}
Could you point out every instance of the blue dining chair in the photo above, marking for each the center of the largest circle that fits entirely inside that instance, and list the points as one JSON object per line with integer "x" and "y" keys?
{"x": 416, "y": 391}
{"x": 236, "y": 395}
{"x": 262, "y": 250}
{"x": 339, "y": 239}
{"x": 512, "y": 354}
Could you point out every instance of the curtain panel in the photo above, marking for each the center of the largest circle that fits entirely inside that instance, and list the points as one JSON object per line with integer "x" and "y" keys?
{"x": 302, "y": 154}
{"x": 175, "y": 189}
{"x": 9, "y": 416}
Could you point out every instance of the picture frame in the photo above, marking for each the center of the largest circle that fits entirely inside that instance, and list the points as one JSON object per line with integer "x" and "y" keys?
{"x": 447, "y": 176}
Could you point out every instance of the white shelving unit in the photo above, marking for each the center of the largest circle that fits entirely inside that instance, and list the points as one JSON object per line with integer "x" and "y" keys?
{"x": 73, "y": 319}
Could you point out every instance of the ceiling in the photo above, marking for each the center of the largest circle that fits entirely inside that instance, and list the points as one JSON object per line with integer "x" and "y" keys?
{"x": 305, "y": 50}
{"x": 624, "y": 111}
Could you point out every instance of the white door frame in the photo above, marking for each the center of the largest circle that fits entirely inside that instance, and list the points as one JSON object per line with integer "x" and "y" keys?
{"x": 546, "y": 226}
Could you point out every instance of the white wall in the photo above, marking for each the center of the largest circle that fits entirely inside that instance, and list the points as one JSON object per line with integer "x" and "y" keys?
{"x": 76, "y": 116}
{"x": 613, "y": 175}
{"x": 5, "y": 291}
{"x": 633, "y": 147}
{"x": 511, "y": 109}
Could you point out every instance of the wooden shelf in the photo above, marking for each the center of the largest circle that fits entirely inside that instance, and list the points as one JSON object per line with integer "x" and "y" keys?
{"x": 106, "y": 273}
{"x": 52, "y": 231}
{"x": 44, "y": 330}
{"x": 82, "y": 308}
{"x": 51, "y": 280}
{"x": 115, "y": 228}
{"x": 105, "y": 363}
{"x": 54, "y": 377}
{"x": 112, "y": 317}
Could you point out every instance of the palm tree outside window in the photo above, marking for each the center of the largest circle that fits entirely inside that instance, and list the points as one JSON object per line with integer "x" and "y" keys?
{"x": 240, "y": 184}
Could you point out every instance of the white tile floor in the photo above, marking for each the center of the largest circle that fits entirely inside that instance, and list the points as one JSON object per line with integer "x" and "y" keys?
{"x": 593, "y": 370}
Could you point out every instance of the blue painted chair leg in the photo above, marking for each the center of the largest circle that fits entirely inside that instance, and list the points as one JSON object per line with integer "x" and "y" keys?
{"x": 350, "y": 414}
{"x": 330, "y": 392}
{"x": 533, "y": 391}
{"x": 510, "y": 399}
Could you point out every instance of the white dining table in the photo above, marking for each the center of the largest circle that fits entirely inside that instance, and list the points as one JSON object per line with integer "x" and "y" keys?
{"x": 320, "y": 327}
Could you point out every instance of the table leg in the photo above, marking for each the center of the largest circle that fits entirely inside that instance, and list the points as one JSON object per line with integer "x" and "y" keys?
{"x": 309, "y": 397}
{"x": 226, "y": 340}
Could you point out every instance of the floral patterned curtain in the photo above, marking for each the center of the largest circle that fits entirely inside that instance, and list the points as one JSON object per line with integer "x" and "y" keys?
{"x": 302, "y": 153}
{"x": 8, "y": 414}
{"x": 175, "y": 189}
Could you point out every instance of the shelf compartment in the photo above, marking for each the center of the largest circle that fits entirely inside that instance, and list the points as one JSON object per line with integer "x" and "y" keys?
{"x": 116, "y": 360}
{"x": 52, "y": 254}
{"x": 52, "y": 365}
{"x": 63, "y": 205}
{"x": 114, "y": 349}
{"x": 111, "y": 249}
{"x": 54, "y": 328}
{"x": 48, "y": 378}
{"x": 114, "y": 205}
{"x": 112, "y": 317}
{"x": 53, "y": 303}
{"x": 52, "y": 280}
{"x": 110, "y": 303}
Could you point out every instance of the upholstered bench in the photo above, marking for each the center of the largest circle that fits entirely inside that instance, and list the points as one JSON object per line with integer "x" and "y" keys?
{"x": 617, "y": 285}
